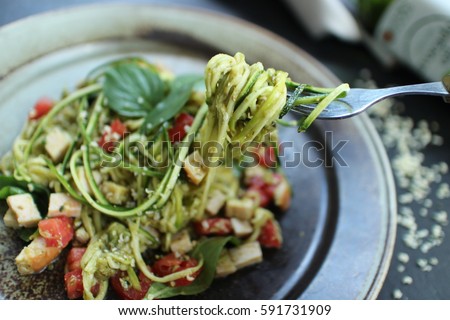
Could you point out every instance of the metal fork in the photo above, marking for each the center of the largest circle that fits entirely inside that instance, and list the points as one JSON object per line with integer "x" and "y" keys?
{"x": 359, "y": 100}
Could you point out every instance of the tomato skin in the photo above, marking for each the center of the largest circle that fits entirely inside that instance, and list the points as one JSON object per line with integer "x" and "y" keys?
{"x": 41, "y": 108}
{"x": 178, "y": 131}
{"x": 73, "y": 281}
{"x": 213, "y": 226}
{"x": 130, "y": 293}
{"x": 57, "y": 231}
{"x": 262, "y": 190}
{"x": 270, "y": 236}
{"x": 105, "y": 144}
{"x": 109, "y": 139}
{"x": 73, "y": 278}
{"x": 118, "y": 127}
{"x": 74, "y": 257}
{"x": 267, "y": 157}
{"x": 170, "y": 264}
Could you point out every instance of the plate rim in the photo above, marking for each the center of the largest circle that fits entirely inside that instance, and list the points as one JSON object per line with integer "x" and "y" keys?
{"x": 380, "y": 271}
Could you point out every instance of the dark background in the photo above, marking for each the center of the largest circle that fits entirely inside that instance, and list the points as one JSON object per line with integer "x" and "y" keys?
{"x": 346, "y": 61}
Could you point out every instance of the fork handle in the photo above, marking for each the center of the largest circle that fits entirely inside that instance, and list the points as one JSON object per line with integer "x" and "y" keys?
{"x": 430, "y": 88}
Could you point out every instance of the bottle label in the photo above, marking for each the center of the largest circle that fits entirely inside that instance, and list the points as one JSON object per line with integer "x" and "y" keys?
{"x": 418, "y": 34}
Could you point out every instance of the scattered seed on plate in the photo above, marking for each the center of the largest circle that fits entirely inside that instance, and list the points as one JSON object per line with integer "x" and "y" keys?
{"x": 407, "y": 280}
{"x": 397, "y": 294}
{"x": 403, "y": 257}
{"x": 434, "y": 261}
{"x": 441, "y": 217}
{"x": 421, "y": 218}
{"x": 401, "y": 268}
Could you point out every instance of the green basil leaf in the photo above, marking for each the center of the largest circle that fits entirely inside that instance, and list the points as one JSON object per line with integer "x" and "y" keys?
{"x": 5, "y": 192}
{"x": 210, "y": 249}
{"x": 172, "y": 104}
{"x": 132, "y": 91}
{"x": 27, "y": 234}
{"x": 101, "y": 69}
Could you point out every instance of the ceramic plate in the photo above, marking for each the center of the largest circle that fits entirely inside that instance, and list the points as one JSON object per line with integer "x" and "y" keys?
{"x": 340, "y": 230}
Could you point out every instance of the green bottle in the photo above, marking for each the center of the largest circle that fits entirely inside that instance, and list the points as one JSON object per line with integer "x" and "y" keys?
{"x": 370, "y": 11}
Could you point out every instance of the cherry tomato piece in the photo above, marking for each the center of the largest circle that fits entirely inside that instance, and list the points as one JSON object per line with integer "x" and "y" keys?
{"x": 41, "y": 108}
{"x": 109, "y": 138}
{"x": 74, "y": 257}
{"x": 270, "y": 236}
{"x": 57, "y": 231}
{"x": 73, "y": 281}
{"x": 125, "y": 290}
{"x": 213, "y": 226}
{"x": 170, "y": 264}
{"x": 178, "y": 131}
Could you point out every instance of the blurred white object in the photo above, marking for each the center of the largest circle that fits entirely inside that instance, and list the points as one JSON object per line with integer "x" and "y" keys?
{"x": 322, "y": 17}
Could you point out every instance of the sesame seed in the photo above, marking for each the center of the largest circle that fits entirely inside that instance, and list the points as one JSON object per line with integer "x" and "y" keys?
{"x": 441, "y": 217}
{"x": 407, "y": 280}
{"x": 401, "y": 268}
{"x": 433, "y": 261}
{"x": 428, "y": 203}
{"x": 397, "y": 294}
{"x": 403, "y": 257}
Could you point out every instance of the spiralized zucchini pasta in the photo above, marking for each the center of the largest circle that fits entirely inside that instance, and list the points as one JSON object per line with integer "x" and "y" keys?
{"x": 154, "y": 184}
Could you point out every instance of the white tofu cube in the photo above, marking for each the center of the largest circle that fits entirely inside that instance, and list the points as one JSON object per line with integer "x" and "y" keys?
{"x": 246, "y": 254}
{"x": 61, "y": 204}
{"x": 24, "y": 209}
{"x": 9, "y": 219}
{"x": 181, "y": 243}
{"x": 282, "y": 195}
{"x": 252, "y": 172}
{"x": 194, "y": 168}
{"x": 115, "y": 193}
{"x": 240, "y": 208}
{"x": 225, "y": 265}
{"x": 84, "y": 183}
{"x": 240, "y": 227}
{"x": 57, "y": 143}
{"x": 36, "y": 257}
{"x": 215, "y": 202}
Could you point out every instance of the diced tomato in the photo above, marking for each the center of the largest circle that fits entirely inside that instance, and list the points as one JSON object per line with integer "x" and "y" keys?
{"x": 178, "y": 131}
{"x": 73, "y": 278}
{"x": 267, "y": 157}
{"x": 270, "y": 236}
{"x": 170, "y": 264}
{"x": 260, "y": 196}
{"x": 105, "y": 144}
{"x": 213, "y": 226}
{"x": 73, "y": 281}
{"x": 118, "y": 127}
{"x": 128, "y": 292}
{"x": 109, "y": 138}
{"x": 262, "y": 190}
{"x": 41, "y": 108}
{"x": 74, "y": 257}
{"x": 57, "y": 231}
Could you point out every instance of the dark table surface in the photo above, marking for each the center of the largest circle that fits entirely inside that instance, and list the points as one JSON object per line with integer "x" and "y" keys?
{"x": 346, "y": 61}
